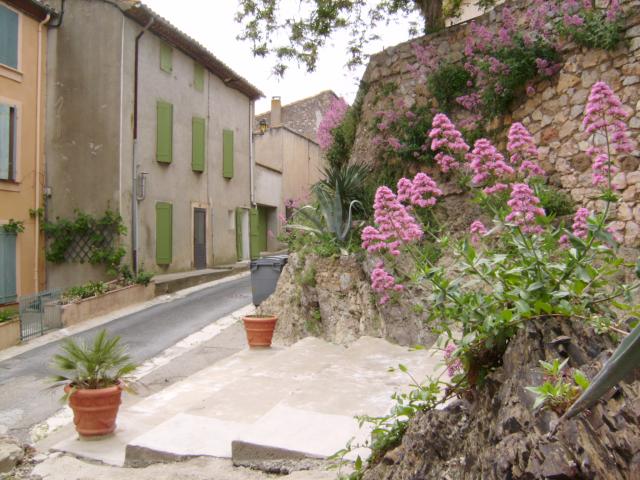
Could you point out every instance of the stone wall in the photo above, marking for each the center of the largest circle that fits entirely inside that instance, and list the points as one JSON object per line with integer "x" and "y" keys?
{"x": 553, "y": 113}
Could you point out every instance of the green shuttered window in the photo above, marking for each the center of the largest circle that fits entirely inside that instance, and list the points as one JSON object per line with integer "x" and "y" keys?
{"x": 239, "y": 251}
{"x": 7, "y": 267}
{"x": 227, "y": 153}
{"x": 164, "y": 137}
{"x": 9, "y": 22}
{"x": 166, "y": 58}
{"x": 198, "y": 77}
{"x": 164, "y": 233}
{"x": 197, "y": 147}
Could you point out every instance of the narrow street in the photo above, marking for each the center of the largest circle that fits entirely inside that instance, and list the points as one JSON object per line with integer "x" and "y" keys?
{"x": 26, "y": 398}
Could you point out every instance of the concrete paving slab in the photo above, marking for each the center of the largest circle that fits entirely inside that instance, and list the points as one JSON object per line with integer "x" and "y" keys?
{"x": 291, "y": 433}
{"x": 184, "y": 436}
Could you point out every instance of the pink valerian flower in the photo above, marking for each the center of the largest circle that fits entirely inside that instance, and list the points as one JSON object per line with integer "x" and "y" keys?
{"x": 613, "y": 11}
{"x": 524, "y": 208}
{"x": 580, "y": 228}
{"x": 394, "y": 143}
{"x": 564, "y": 241}
{"x": 422, "y": 191}
{"x": 498, "y": 187}
{"x": 331, "y": 119}
{"x": 447, "y": 141}
{"x": 614, "y": 230}
{"x": 454, "y": 364}
{"x": 382, "y": 282}
{"x": 605, "y": 120}
{"x": 487, "y": 163}
{"x": 470, "y": 102}
{"x": 523, "y": 151}
{"x": 427, "y": 57}
{"x": 547, "y": 68}
{"x": 476, "y": 229}
{"x": 395, "y": 226}
{"x": 531, "y": 90}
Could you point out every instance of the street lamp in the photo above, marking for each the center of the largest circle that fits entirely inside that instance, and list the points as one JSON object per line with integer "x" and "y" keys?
{"x": 263, "y": 126}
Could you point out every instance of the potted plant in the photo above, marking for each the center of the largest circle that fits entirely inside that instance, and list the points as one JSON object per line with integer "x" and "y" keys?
{"x": 94, "y": 375}
{"x": 259, "y": 329}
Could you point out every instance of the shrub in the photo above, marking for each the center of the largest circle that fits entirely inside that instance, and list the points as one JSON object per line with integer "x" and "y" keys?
{"x": 87, "y": 290}
{"x": 8, "y": 314}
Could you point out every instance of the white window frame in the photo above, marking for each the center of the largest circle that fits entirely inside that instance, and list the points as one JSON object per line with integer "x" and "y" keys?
{"x": 6, "y": 70}
{"x": 17, "y": 106}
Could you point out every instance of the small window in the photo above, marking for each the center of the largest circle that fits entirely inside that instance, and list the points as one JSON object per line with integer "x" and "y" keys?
{"x": 9, "y": 21}
{"x": 166, "y": 58}
{"x": 198, "y": 77}
{"x": 7, "y": 142}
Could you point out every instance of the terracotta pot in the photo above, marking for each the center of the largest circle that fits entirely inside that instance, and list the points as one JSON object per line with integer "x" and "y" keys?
{"x": 259, "y": 330}
{"x": 95, "y": 411}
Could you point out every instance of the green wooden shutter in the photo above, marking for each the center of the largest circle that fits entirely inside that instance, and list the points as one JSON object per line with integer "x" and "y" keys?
{"x": 197, "y": 147}
{"x": 227, "y": 153}
{"x": 198, "y": 77}
{"x": 239, "y": 252}
{"x": 166, "y": 58}
{"x": 7, "y": 267}
{"x": 164, "y": 233}
{"x": 9, "y": 21}
{"x": 164, "y": 138}
{"x": 254, "y": 233}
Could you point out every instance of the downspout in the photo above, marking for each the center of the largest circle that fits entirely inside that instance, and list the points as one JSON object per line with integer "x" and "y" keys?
{"x": 134, "y": 166}
{"x": 36, "y": 255}
{"x": 251, "y": 156}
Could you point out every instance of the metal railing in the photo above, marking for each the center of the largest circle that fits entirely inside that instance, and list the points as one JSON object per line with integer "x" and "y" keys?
{"x": 39, "y": 313}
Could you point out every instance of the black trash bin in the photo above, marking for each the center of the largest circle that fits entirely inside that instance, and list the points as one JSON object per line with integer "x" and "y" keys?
{"x": 265, "y": 273}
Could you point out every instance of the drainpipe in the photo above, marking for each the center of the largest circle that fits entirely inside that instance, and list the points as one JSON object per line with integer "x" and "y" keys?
{"x": 36, "y": 255}
{"x": 251, "y": 156}
{"x": 134, "y": 166}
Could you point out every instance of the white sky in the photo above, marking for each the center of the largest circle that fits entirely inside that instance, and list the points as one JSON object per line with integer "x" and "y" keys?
{"x": 211, "y": 22}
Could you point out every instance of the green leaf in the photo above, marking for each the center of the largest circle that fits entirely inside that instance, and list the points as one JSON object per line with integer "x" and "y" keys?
{"x": 581, "y": 379}
{"x": 358, "y": 464}
{"x": 403, "y": 368}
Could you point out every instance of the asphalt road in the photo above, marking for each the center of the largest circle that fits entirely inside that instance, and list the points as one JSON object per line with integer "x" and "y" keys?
{"x": 26, "y": 398}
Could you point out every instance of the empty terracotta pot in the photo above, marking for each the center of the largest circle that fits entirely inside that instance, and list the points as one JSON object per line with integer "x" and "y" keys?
{"x": 95, "y": 411}
{"x": 259, "y": 330}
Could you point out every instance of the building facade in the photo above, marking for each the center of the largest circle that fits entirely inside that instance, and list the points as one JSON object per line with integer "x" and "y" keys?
{"x": 144, "y": 121}
{"x": 23, "y": 47}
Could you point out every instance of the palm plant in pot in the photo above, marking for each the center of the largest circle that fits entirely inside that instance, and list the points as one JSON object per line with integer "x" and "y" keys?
{"x": 94, "y": 375}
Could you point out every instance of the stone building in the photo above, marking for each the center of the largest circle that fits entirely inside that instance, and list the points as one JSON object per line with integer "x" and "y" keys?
{"x": 144, "y": 121}
{"x": 23, "y": 49}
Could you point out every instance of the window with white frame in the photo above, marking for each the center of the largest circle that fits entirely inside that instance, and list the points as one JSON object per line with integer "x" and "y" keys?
{"x": 9, "y": 25}
{"x": 7, "y": 142}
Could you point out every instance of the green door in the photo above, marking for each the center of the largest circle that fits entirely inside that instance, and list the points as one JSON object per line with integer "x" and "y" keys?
{"x": 239, "y": 251}
{"x": 263, "y": 227}
{"x": 254, "y": 233}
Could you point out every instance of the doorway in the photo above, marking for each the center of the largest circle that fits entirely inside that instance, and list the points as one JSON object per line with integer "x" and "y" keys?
{"x": 199, "y": 238}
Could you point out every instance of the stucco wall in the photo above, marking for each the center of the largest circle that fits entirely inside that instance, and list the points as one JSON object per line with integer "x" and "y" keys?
{"x": 553, "y": 113}
{"x": 18, "y": 88}
{"x": 83, "y": 152}
{"x": 302, "y": 163}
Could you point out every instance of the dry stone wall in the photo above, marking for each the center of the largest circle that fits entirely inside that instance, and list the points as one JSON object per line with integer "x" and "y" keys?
{"x": 553, "y": 113}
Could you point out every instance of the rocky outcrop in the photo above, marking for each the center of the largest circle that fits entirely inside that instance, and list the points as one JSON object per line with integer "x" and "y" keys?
{"x": 331, "y": 298}
{"x": 497, "y": 435}
{"x": 11, "y": 454}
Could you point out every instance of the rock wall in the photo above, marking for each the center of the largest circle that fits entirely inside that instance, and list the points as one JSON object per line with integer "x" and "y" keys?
{"x": 331, "y": 298}
{"x": 499, "y": 436}
{"x": 553, "y": 113}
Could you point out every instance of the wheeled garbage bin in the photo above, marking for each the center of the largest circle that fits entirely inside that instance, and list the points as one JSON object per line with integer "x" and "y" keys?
{"x": 265, "y": 273}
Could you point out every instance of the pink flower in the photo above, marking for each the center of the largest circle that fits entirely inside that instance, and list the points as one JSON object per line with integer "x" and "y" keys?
{"x": 531, "y": 91}
{"x": 421, "y": 192}
{"x": 331, "y": 119}
{"x": 383, "y": 282}
{"x": 523, "y": 151}
{"x": 476, "y": 229}
{"x": 524, "y": 209}
{"x": 487, "y": 163}
{"x": 579, "y": 227}
{"x": 615, "y": 233}
{"x": 454, "y": 365}
{"x": 469, "y": 102}
{"x": 448, "y": 141}
{"x": 564, "y": 242}
{"x": 394, "y": 143}
{"x": 395, "y": 225}
{"x": 498, "y": 187}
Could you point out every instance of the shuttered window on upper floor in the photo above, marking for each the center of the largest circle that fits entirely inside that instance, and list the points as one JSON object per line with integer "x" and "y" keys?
{"x": 9, "y": 25}
{"x": 227, "y": 153}
{"x": 164, "y": 132}
{"x": 198, "y": 77}
{"x": 166, "y": 58}
{"x": 198, "y": 144}
{"x": 8, "y": 128}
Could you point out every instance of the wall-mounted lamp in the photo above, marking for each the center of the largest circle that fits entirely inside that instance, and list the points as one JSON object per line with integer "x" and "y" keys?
{"x": 141, "y": 187}
{"x": 263, "y": 126}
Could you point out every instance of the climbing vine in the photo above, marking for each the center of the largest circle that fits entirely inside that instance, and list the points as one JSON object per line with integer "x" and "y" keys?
{"x": 13, "y": 226}
{"x": 86, "y": 238}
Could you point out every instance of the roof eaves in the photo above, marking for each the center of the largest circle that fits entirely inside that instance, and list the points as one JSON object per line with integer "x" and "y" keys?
{"x": 33, "y": 8}
{"x": 142, "y": 14}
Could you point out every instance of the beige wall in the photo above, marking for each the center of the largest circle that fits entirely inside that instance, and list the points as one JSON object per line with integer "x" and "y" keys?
{"x": 19, "y": 88}
{"x": 302, "y": 164}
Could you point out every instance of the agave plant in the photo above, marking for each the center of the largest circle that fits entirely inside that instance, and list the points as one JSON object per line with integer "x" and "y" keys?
{"x": 101, "y": 363}
{"x": 624, "y": 360}
{"x": 349, "y": 180}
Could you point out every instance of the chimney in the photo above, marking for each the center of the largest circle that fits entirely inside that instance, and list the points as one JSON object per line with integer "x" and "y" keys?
{"x": 276, "y": 112}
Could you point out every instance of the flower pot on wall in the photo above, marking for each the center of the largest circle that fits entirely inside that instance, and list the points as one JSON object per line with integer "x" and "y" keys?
{"x": 95, "y": 411}
{"x": 259, "y": 329}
